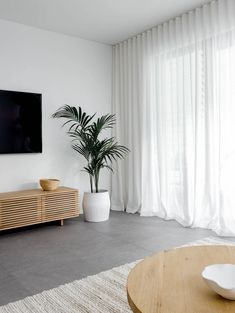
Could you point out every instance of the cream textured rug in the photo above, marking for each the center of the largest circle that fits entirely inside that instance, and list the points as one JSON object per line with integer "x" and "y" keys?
{"x": 101, "y": 293}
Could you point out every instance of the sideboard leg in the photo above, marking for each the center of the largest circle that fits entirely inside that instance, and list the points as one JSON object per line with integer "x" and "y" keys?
{"x": 61, "y": 222}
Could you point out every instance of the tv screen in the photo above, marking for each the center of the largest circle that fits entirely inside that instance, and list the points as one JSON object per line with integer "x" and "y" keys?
{"x": 20, "y": 122}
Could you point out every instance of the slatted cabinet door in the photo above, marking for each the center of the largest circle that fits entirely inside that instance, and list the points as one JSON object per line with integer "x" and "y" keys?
{"x": 17, "y": 212}
{"x": 59, "y": 206}
{"x": 27, "y": 207}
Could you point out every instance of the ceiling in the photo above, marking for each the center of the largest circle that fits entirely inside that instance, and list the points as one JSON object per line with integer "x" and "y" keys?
{"x": 106, "y": 21}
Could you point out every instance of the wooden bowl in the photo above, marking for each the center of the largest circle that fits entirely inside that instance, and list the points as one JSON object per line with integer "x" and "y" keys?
{"x": 49, "y": 184}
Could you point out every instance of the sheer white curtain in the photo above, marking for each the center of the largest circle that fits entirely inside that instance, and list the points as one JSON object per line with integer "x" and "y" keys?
{"x": 174, "y": 97}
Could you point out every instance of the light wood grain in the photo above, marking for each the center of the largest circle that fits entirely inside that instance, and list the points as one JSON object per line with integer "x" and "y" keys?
{"x": 171, "y": 282}
{"x": 28, "y": 207}
{"x": 32, "y": 192}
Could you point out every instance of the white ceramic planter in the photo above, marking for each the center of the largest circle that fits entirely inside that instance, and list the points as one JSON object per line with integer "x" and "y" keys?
{"x": 96, "y": 206}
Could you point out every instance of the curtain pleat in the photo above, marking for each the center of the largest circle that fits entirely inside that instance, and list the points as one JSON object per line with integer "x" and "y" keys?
{"x": 174, "y": 98}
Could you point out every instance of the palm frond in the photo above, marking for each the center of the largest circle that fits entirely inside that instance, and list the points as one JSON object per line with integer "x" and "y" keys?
{"x": 74, "y": 115}
{"x": 89, "y": 170}
{"x": 84, "y": 134}
{"x": 102, "y": 123}
{"x": 82, "y": 149}
{"x": 109, "y": 167}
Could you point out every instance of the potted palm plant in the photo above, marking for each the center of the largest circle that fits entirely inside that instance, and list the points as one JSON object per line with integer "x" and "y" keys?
{"x": 99, "y": 153}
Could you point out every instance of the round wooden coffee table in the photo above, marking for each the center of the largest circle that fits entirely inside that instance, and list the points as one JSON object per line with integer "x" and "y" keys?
{"x": 171, "y": 282}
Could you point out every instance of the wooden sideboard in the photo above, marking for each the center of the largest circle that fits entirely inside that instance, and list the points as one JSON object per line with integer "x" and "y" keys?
{"x": 28, "y": 207}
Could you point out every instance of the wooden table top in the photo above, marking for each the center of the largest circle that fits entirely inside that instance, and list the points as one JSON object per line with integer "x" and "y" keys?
{"x": 33, "y": 192}
{"x": 171, "y": 282}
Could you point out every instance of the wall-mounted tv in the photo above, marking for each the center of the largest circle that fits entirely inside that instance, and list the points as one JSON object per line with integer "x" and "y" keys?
{"x": 20, "y": 122}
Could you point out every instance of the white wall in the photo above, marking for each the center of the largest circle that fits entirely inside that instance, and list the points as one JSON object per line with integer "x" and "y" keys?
{"x": 66, "y": 70}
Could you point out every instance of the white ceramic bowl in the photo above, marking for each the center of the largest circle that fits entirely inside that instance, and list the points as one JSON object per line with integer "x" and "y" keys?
{"x": 221, "y": 278}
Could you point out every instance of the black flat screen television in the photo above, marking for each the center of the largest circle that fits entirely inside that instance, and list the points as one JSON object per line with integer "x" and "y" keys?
{"x": 20, "y": 122}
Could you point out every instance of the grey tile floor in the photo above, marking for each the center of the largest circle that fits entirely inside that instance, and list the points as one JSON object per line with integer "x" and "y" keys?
{"x": 44, "y": 256}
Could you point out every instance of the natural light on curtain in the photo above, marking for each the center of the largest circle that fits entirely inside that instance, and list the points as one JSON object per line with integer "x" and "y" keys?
{"x": 174, "y": 97}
